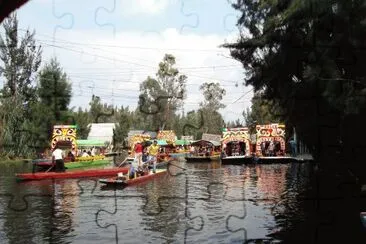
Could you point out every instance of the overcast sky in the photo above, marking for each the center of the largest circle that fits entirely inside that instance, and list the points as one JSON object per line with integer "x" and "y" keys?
{"x": 109, "y": 47}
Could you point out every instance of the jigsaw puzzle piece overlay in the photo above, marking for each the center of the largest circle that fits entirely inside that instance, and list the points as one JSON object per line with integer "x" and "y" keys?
{"x": 155, "y": 214}
{"x": 38, "y": 201}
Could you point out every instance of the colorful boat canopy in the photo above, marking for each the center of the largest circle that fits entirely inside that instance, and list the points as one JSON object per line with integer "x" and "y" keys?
{"x": 205, "y": 143}
{"x": 162, "y": 142}
{"x": 182, "y": 142}
{"x": 90, "y": 143}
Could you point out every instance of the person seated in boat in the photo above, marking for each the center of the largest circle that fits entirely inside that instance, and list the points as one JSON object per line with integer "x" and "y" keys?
{"x": 131, "y": 171}
{"x": 271, "y": 148}
{"x": 145, "y": 155}
{"x": 277, "y": 148}
{"x": 242, "y": 148}
{"x": 58, "y": 158}
{"x": 85, "y": 154}
{"x": 153, "y": 153}
{"x": 263, "y": 148}
{"x": 71, "y": 156}
{"x": 192, "y": 151}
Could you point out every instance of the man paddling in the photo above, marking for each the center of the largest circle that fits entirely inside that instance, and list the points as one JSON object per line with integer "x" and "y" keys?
{"x": 153, "y": 153}
{"x": 58, "y": 156}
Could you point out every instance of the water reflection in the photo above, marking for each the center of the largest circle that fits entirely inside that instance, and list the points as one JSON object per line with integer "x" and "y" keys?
{"x": 209, "y": 203}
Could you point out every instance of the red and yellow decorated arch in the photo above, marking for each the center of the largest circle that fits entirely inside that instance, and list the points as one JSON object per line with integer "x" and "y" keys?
{"x": 236, "y": 134}
{"x": 270, "y": 132}
{"x": 64, "y": 135}
{"x": 137, "y": 138}
{"x": 167, "y": 135}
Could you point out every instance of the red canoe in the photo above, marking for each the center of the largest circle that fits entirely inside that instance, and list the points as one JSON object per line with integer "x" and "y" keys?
{"x": 114, "y": 181}
{"x": 71, "y": 174}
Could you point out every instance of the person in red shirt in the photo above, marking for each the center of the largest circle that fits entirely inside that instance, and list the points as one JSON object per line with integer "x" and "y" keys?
{"x": 138, "y": 153}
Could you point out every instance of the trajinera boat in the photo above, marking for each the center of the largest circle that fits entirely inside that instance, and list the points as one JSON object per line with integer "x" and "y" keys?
{"x": 64, "y": 136}
{"x": 204, "y": 151}
{"x": 271, "y": 144}
{"x": 125, "y": 180}
{"x": 236, "y": 146}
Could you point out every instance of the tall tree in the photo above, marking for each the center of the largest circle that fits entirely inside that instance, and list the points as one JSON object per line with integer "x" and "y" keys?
{"x": 82, "y": 120}
{"x": 20, "y": 58}
{"x": 262, "y": 111}
{"x": 54, "y": 90}
{"x": 123, "y": 125}
{"x": 213, "y": 95}
{"x": 162, "y": 96}
{"x": 100, "y": 113}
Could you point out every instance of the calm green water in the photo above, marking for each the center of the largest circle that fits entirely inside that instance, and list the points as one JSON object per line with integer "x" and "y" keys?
{"x": 209, "y": 203}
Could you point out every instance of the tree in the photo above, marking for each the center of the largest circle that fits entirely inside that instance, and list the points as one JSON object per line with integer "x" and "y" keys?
{"x": 262, "y": 111}
{"x": 21, "y": 59}
{"x": 290, "y": 56}
{"x": 122, "y": 127}
{"x": 82, "y": 120}
{"x": 193, "y": 124}
{"x": 100, "y": 113}
{"x": 161, "y": 96}
{"x": 54, "y": 90}
{"x": 213, "y": 94}
{"x": 308, "y": 57}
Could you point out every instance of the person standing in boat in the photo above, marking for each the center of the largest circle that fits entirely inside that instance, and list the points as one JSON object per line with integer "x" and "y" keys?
{"x": 58, "y": 157}
{"x": 138, "y": 153}
{"x": 153, "y": 153}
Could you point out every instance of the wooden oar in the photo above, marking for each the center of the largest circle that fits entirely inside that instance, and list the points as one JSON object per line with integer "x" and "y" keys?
{"x": 123, "y": 162}
{"x": 53, "y": 164}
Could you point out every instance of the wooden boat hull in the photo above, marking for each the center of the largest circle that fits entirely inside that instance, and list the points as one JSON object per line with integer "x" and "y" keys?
{"x": 178, "y": 155}
{"x": 275, "y": 160}
{"x": 70, "y": 174}
{"x": 114, "y": 181}
{"x": 202, "y": 159}
{"x": 237, "y": 160}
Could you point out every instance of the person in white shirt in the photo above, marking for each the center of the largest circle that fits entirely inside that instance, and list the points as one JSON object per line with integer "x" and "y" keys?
{"x": 58, "y": 157}
{"x": 93, "y": 151}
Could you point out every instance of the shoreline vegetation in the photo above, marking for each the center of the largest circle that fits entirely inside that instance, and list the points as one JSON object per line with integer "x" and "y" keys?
{"x": 7, "y": 160}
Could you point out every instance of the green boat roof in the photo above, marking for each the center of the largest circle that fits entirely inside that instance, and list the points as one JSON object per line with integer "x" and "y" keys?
{"x": 90, "y": 143}
{"x": 182, "y": 142}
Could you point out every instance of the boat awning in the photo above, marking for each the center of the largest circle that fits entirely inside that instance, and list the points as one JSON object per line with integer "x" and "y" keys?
{"x": 204, "y": 143}
{"x": 182, "y": 142}
{"x": 90, "y": 143}
{"x": 162, "y": 142}
{"x": 159, "y": 142}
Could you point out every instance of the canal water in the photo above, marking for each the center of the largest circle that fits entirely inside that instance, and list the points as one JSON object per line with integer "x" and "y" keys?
{"x": 206, "y": 203}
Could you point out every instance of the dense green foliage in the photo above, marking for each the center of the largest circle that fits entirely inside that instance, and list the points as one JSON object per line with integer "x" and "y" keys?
{"x": 21, "y": 59}
{"x": 307, "y": 58}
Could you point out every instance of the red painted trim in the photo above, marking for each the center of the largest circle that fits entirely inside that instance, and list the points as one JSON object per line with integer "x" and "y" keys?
{"x": 71, "y": 174}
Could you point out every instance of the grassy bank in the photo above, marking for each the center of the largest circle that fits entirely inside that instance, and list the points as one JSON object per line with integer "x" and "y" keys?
{"x": 7, "y": 160}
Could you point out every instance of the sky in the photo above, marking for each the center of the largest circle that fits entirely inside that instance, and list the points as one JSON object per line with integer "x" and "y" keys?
{"x": 108, "y": 48}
